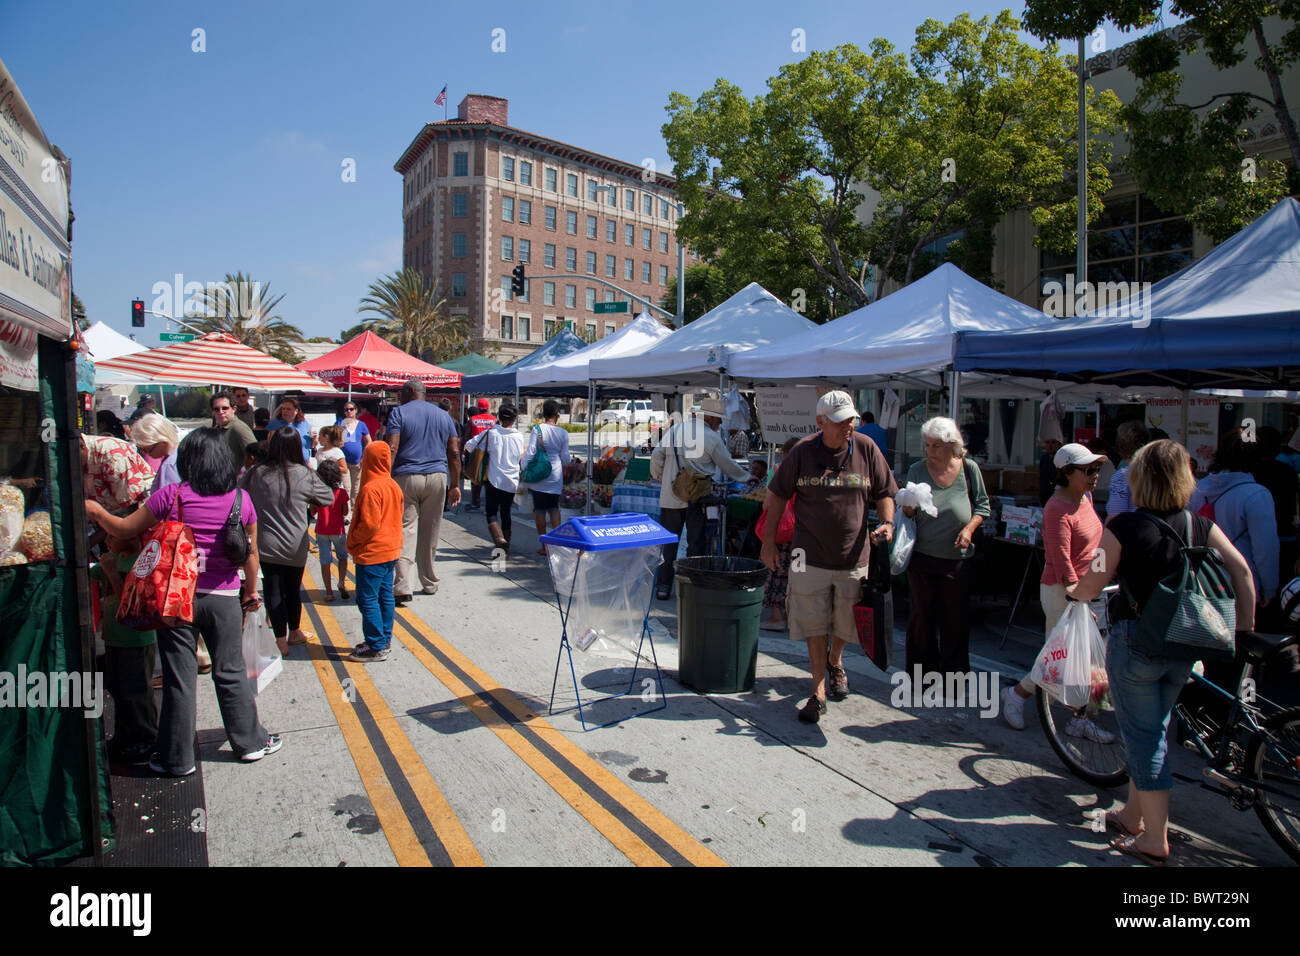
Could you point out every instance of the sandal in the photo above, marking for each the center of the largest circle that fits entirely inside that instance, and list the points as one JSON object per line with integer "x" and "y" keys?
{"x": 1128, "y": 846}
{"x": 1113, "y": 823}
{"x": 306, "y": 636}
{"x": 345, "y": 594}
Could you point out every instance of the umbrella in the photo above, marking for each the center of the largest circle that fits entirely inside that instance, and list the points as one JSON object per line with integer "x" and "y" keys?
{"x": 370, "y": 360}
{"x": 214, "y": 359}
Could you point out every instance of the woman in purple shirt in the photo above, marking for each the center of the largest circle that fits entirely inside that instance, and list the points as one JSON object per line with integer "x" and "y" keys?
{"x": 204, "y": 500}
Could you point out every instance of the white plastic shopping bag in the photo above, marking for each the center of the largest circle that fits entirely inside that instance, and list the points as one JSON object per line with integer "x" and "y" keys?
{"x": 918, "y": 495}
{"x": 261, "y": 655}
{"x": 1065, "y": 666}
{"x": 904, "y": 540}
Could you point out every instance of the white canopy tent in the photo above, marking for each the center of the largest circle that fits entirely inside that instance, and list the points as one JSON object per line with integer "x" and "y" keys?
{"x": 104, "y": 343}
{"x": 573, "y": 369}
{"x": 698, "y": 354}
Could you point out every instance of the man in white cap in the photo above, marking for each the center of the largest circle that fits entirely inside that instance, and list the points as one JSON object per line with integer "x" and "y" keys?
{"x": 834, "y": 476}
{"x": 698, "y": 447}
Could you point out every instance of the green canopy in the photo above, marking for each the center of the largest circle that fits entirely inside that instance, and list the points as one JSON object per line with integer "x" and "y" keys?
{"x": 471, "y": 364}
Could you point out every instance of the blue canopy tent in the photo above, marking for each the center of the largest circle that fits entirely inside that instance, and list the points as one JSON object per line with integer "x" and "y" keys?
{"x": 503, "y": 382}
{"x": 1230, "y": 320}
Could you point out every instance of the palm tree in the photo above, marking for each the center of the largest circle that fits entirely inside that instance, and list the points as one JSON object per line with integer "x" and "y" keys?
{"x": 411, "y": 315}
{"x": 245, "y": 309}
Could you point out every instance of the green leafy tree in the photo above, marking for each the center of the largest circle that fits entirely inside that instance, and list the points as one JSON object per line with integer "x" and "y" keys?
{"x": 79, "y": 313}
{"x": 411, "y": 314}
{"x": 245, "y": 309}
{"x": 975, "y": 124}
{"x": 706, "y": 289}
{"x": 1193, "y": 158}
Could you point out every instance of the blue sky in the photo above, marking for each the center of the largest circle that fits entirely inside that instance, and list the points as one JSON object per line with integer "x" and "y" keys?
{"x": 230, "y": 159}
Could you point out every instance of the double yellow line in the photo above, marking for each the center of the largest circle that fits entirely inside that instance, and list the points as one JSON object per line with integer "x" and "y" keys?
{"x": 420, "y": 825}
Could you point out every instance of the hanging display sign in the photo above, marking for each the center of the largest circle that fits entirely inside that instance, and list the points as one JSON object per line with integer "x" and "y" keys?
{"x": 1202, "y": 425}
{"x": 786, "y": 412}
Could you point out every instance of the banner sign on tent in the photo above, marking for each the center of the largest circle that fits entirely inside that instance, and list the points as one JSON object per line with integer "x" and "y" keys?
{"x": 783, "y": 412}
{"x": 17, "y": 356}
{"x": 1202, "y": 424}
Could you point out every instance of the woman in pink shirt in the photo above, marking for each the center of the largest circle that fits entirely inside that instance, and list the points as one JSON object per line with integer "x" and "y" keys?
{"x": 1071, "y": 534}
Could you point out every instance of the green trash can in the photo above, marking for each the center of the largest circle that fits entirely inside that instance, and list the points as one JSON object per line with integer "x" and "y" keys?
{"x": 719, "y": 602}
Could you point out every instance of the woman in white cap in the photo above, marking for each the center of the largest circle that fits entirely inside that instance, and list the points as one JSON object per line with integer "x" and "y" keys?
{"x": 1071, "y": 534}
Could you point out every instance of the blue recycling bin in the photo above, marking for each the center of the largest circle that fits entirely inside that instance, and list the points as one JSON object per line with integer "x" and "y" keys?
{"x": 604, "y": 568}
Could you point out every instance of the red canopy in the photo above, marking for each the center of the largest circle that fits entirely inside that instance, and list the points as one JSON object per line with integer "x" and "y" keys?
{"x": 369, "y": 360}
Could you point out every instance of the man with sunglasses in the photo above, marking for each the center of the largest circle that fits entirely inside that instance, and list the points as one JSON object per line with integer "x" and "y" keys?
{"x": 238, "y": 435}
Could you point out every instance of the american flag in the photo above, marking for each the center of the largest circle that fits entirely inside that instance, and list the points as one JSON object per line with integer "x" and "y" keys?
{"x": 442, "y": 98}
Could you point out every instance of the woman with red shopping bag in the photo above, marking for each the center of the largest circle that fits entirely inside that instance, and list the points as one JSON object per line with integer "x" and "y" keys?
{"x": 213, "y": 513}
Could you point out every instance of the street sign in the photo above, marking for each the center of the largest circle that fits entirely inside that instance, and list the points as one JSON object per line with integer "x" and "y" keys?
{"x": 176, "y": 337}
{"x": 604, "y": 308}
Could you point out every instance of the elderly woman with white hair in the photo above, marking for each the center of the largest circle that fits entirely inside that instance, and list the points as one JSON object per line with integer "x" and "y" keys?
{"x": 938, "y": 625}
{"x": 157, "y": 437}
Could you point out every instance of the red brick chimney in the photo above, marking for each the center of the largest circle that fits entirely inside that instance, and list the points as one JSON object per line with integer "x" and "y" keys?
{"x": 484, "y": 109}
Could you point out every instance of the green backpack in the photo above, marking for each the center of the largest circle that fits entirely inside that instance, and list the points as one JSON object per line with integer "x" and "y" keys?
{"x": 1192, "y": 613}
{"x": 539, "y": 466}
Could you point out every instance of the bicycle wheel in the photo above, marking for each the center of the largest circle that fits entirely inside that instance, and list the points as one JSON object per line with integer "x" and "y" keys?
{"x": 1273, "y": 760}
{"x": 1078, "y": 735}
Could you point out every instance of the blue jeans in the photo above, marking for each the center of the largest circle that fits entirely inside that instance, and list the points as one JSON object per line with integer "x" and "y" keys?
{"x": 375, "y": 602}
{"x": 1144, "y": 690}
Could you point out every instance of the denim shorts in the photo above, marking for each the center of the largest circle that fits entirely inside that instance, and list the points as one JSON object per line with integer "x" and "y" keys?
{"x": 1144, "y": 690}
{"x": 336, "y": 543}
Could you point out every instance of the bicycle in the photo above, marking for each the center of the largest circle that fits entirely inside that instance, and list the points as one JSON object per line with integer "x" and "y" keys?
{"x": 1253, "y": 759}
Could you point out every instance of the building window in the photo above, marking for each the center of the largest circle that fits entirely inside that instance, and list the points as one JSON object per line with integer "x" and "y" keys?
{"x": 591, "y": 331}
{"x": 508, "y": 168}
{"x": 591, "y": 227}
{"x": 550, "y": 217}
{"x": 525, "y": 173}
{"x": 609, "y": 295}
{"x": 571, "y": 183}
{"x": 505, "y": 288}
{"x": 647, "y": 204}
{"x": 629, "y": 235}
{"x": 526, "y": 251}
{"x": 525, "y": 329}
{"x": 663, "y": 239}
{"x": 458, "y": 285}
{"x": 591, "y": 190}
{"x": 507, "y": 327}
{"x": 570, "y": 296}
{"x": 646, "y": 238}
{"x": 611, "y": 267}
{"x": 507, "y": 208}
{"x": 570, "y": 260}
{"x": 460, "y": 205}
{"x": 610, "y": 328}
{"x": 663, "y": 275}
{"x": 611, "y": 196}
{"x": 548, "y": 329}
{"x": 548, "y": 255}
{"x": 523, "y": 296}
{"x": 591, "y": 300}
{"x": 458, "y": 245}
{"x": 548, "y": 293}
{"x": 663, "y": 209}
{"x": 629, "y": 269}
{"x": 551, "y": 178}
{"x": 611, "y": 230}
{"x": 645, "y": 272}
{"x": 526, "y": 213}
{"x": 507, "y": 247}
{"x": 629, "y": 200}
{"x": 460, "y": 164}
{"x": 591, "y": 263}
{"x": 571, "y": 222}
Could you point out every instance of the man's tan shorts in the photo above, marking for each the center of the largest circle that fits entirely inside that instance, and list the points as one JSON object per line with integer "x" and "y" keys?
{"x": 820, "y": 602}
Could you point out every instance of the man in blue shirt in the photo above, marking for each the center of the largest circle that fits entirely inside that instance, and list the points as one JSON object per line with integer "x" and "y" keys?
{"x": 875, "y": 433}
{"x": 426, "y": 466}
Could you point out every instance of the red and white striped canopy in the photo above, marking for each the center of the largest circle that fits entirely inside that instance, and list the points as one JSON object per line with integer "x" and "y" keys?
{"x": 370, "y": 360}
{"x": 215, "y": 359}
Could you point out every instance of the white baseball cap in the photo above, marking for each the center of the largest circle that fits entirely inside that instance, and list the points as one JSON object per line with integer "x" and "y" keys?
{"x": 1074, "y": 454}
{"x": 836, "y": 407}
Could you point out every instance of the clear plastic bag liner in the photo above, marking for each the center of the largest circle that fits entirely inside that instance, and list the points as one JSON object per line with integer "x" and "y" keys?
{"x": 610, "y": 596}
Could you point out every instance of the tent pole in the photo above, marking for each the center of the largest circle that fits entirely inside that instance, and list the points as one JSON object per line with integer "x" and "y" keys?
{"x": 954, "y": 399}
{"x": 591, "y": 439}
{"x": 1186, "y": 407}
{"x": 162, "y": 400}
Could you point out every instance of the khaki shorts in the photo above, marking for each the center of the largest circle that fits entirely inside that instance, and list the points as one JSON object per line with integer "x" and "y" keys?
{"x": 820, "y": 602}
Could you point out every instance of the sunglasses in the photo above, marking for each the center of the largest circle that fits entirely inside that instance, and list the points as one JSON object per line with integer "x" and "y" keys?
{"x": 349, "y": 408}
{"x": 1091, "y": 471}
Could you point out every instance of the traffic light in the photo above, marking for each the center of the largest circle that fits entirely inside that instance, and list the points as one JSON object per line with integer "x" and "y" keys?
{"x": 137, "y": 313}
{"x": 517, "y": 283}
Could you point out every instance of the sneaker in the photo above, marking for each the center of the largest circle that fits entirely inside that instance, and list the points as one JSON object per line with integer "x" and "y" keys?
{"x": 812, "y": 711}
{"x": 1084, "y": 727}
{"x": 369, "y": 655}
{"x": 273, "y": 743}
{"x": 1013, "y": 708}
{"x": 155, "y": 764}
{"x": 401, "y": 600}
{"x": 663, "y": 593}
{"x": 839, "y": 680}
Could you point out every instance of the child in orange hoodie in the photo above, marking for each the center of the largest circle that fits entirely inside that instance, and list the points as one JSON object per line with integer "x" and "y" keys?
{"x": 375, "y": 543}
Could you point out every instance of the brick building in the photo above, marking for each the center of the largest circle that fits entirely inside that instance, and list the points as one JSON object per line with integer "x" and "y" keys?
{"x": 480, "y": 197}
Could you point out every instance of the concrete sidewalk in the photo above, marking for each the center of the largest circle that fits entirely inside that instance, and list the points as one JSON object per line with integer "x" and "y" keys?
{"x": 869, "y": 785}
